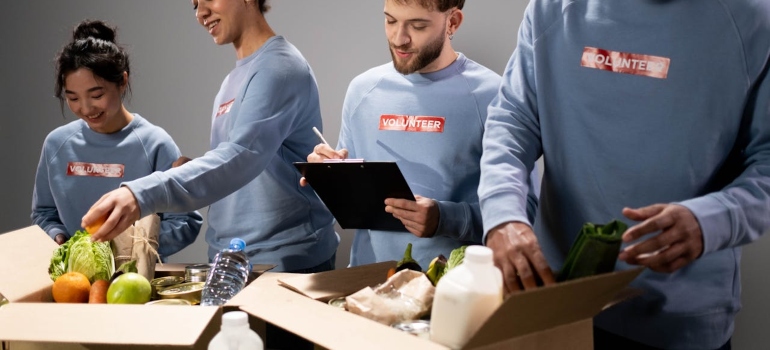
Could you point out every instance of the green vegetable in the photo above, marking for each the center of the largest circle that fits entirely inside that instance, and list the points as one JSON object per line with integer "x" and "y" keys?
{"x": 436, "y": 269}
{"x": 59, "y": 260}
{"x": 79, "y": 254}
{"x": 126, "y": 267}
{"x": 407, "y": 262}
{"x": 595, "y": 250}
{"x": 456, "y": 257}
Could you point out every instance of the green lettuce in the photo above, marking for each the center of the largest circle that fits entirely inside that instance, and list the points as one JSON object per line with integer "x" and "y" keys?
{"x": 456, "y": 257}
{"x": 594, "y": 251}
{"x": 79, "y": 254}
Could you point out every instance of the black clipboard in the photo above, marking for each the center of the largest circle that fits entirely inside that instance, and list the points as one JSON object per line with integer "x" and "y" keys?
{"x": 355, "y": 192}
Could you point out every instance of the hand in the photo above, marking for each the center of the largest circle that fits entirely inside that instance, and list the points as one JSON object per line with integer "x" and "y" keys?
{"x": 321, "y": 152}
{"x": 123, "y": 211}
{"x": 679, "y": 242}
{"x": 420, "y": 217}
{"x": 516, "y": 252}
{"x": 60, "y": 239}
{"x": 179, "y": 161}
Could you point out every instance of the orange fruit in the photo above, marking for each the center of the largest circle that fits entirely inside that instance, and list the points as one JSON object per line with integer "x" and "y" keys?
{"x": 91, "y": 229}
{"x": 71, "y": 287}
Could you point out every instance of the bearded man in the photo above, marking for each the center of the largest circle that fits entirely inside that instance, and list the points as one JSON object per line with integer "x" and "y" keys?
{"x": 425, "y": 111}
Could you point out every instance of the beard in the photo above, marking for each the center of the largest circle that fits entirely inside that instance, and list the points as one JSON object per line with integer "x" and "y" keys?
{"x": 425, "y": 56}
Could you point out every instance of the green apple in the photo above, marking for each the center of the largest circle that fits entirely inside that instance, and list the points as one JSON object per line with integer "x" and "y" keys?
{"x": 129, "y": 288}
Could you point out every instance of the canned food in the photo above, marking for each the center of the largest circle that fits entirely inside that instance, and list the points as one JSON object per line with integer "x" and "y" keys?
{"x": 164, "y": 282}
{"x": 190, "y": 291}
{"x": 339, "y": 302}
{"x": 169, "y": 302}
{"x": 420, "y": 328}
{"x": 196, "y": 273}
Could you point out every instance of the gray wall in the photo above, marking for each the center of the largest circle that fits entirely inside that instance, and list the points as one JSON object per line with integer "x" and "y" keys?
{"x": 178, "y": 69}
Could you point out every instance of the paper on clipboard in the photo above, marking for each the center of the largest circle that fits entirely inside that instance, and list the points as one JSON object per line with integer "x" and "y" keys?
{"x": 355, "y": 191}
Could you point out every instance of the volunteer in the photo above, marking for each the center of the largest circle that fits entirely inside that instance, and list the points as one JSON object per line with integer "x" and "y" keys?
{"x": 654, "y": 112}
{"x": 262, "y": 122}
{"x": 107, "y": 145}
{"x": 425, "y": 110}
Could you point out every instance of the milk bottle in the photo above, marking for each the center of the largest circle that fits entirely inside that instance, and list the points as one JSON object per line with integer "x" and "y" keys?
{"x": 465, "y": 297}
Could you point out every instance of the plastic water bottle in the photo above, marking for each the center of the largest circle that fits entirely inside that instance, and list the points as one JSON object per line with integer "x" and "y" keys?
{"x": 228, "y": 274}
{"x": 465, "y": 298}
{"x": 235, "y": 334}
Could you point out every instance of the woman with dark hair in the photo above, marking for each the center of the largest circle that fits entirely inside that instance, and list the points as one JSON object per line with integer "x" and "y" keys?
{"x": 106, "y": 146}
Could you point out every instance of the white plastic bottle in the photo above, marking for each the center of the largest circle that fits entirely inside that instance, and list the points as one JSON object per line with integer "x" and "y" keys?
{"x": 465, "y": 297}
{"x": 236, "y": 334}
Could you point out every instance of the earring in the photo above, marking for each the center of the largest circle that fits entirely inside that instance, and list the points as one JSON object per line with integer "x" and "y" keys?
{"x": 451, "y": 36}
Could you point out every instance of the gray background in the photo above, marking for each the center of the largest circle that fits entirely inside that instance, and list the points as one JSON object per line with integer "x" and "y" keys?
{"x": 178, "y": 70}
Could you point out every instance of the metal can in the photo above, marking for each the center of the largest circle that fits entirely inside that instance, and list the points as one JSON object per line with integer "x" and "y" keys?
{"x": 339, "y": 303}
{"x": 164, "y": 282}
{"x": 168, "y": 302}
{"x": 420, "y": 328}
{"x": 197, "y": 272}
{"x": 190, "y": 291}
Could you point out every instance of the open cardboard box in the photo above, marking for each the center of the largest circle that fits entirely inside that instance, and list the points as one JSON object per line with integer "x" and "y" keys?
{"x": 553, "y": 317}
{"x": 33, "y": 321}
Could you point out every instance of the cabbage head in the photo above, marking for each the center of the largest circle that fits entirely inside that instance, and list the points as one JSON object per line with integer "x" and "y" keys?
{"x": 79, "y": 254}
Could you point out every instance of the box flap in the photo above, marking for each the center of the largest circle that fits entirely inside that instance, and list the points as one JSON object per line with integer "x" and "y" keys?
{"x": 547, "y": 307}
{"x": 325, "y": 325}
{"x": 25, "y": 255}
{"x": 105, "y": 324}
{"x": 327, "y": 285}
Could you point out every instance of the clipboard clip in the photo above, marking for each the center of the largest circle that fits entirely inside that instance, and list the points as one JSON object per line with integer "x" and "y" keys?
{"x": 352, "y": 160}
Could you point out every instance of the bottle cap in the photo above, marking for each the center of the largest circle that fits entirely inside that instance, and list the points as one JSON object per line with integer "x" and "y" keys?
{"x": 237, "y": 244}
{"x": 235, "y": 318}
{"x": 478, "y": 254}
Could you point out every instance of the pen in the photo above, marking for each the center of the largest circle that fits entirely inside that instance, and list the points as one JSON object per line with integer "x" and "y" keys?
{"x": 320, "y": 136}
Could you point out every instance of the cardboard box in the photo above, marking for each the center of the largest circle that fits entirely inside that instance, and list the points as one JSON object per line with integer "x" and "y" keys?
{"x": 32, "y": 321}
{"x": 553, "y": 317}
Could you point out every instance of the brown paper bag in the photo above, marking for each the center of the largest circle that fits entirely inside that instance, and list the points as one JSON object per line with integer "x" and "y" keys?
{"x": 407, "y": 295}
{"x": 139, "y": 242}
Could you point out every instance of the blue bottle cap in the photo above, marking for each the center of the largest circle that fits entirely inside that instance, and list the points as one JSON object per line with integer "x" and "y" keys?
{"x": 237, "y": 244}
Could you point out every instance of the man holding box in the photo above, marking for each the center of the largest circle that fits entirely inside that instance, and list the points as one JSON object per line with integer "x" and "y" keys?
{"x": 656, "y": 111}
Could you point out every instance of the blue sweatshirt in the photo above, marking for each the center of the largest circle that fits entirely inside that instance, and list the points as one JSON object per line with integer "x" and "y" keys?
{"x": 78, "y": 165}
{"x": 431, "y": 126}
{"x": 633, "y": 103}
{"x": 262, "y": 122}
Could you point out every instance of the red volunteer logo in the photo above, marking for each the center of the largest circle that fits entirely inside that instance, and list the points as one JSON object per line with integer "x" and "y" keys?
{"x": 624, "y": 62}
{"x": 411, "y": 123}
{"x": 224, "y": 108}
{"x": 94, "y": 169}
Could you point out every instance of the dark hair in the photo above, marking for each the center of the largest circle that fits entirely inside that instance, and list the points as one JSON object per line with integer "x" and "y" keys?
{"x": 263, "y": 7}
{"x": 440, "y": 5}
{"x": 93, "y": 46}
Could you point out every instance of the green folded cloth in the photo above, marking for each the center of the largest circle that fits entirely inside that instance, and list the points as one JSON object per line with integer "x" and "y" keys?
{"x": 595, "y": 250}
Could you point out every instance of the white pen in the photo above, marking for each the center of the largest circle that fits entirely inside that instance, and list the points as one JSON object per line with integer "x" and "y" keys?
{"x": 320, "y": 136}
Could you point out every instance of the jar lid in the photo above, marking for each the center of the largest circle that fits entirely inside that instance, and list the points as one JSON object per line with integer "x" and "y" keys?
{"x": 198, "y": 268}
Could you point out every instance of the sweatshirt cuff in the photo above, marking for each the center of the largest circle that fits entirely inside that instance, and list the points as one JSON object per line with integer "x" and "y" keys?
{"x": 714, "y": 224}
{"x": 453, "y": 220}
{"x": 56, "y": 231}
{"x": 501, "y": 208}
{"x": 148, "y": 192}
